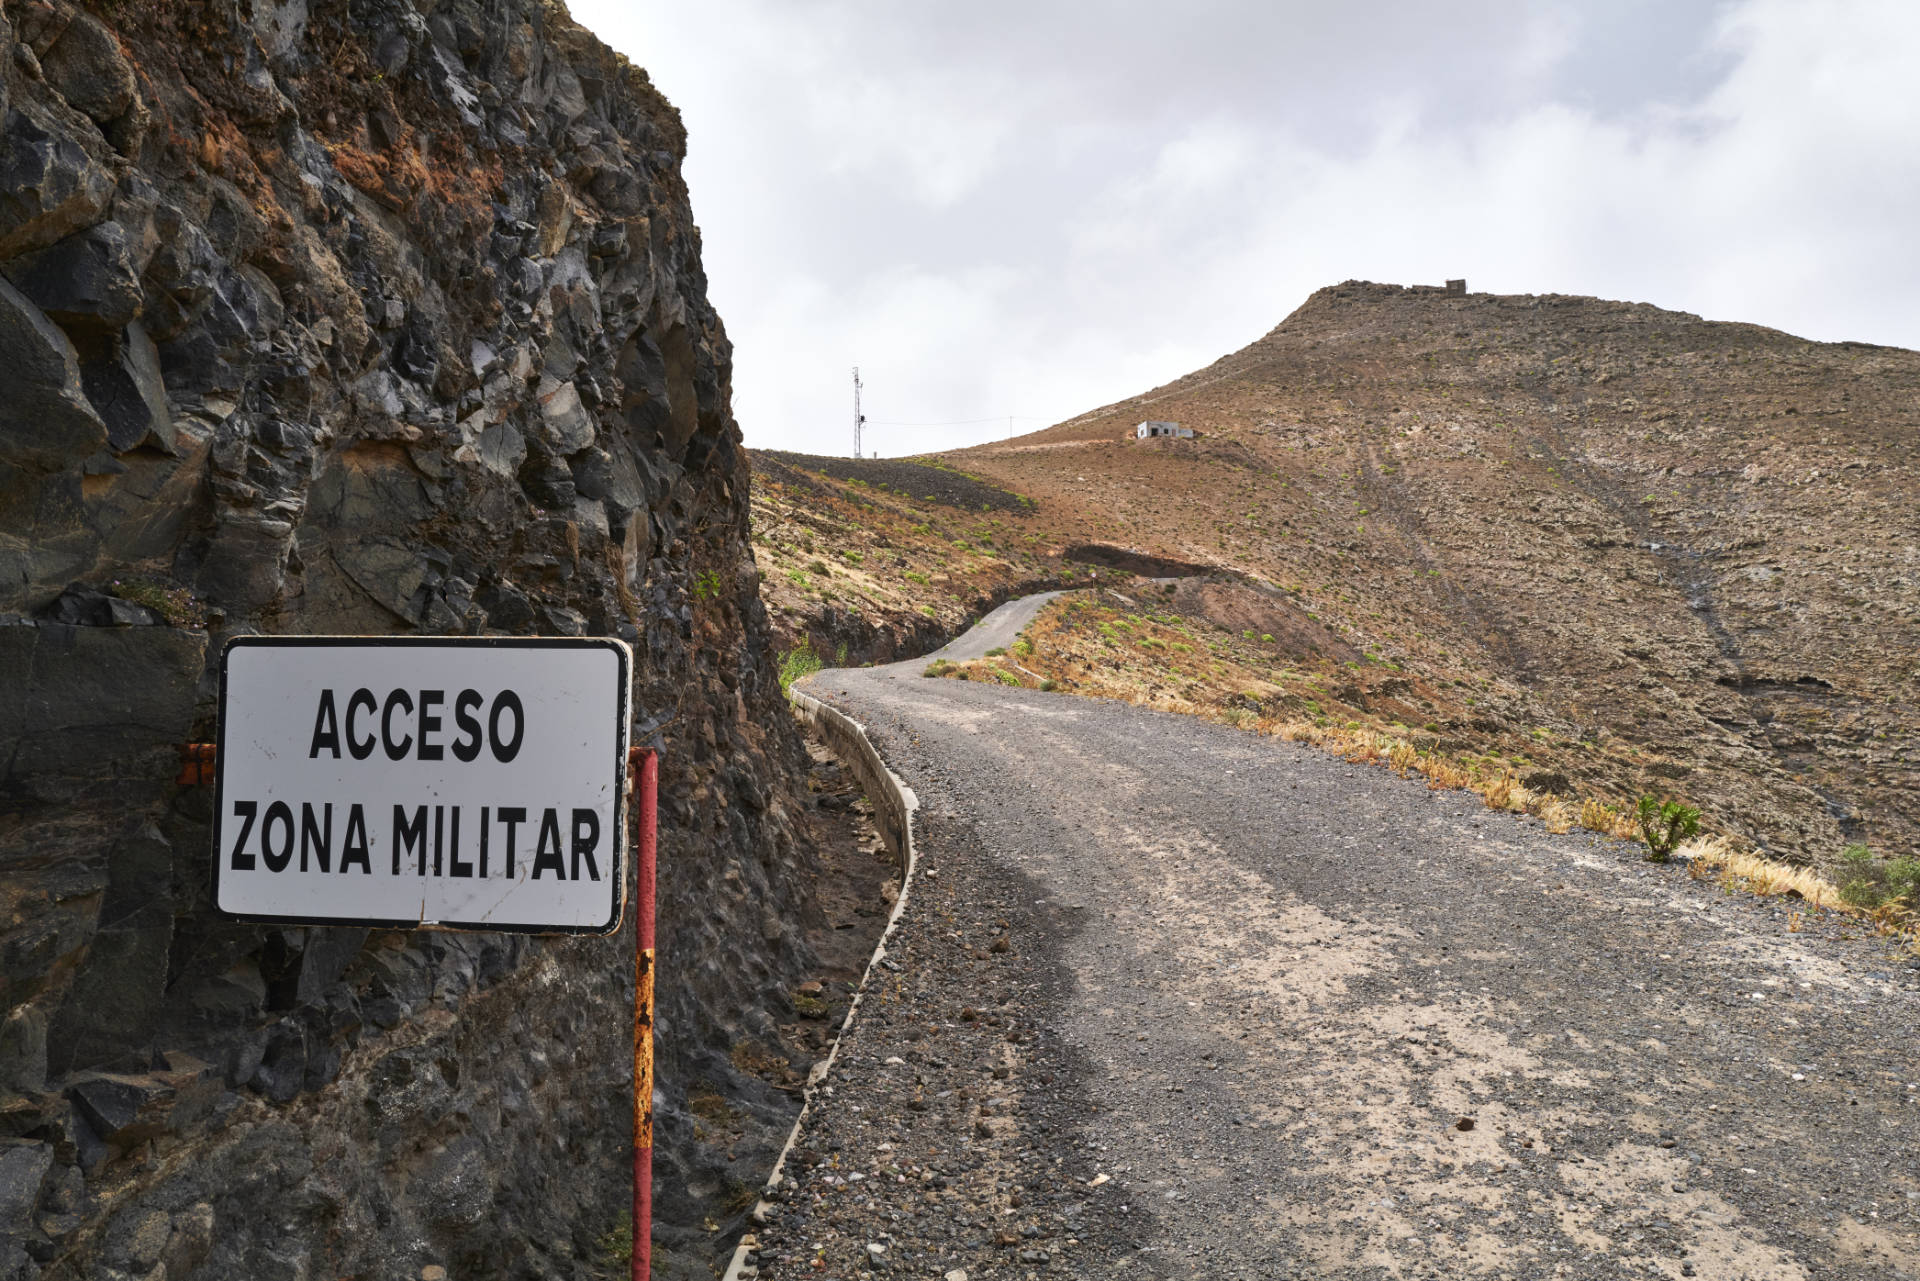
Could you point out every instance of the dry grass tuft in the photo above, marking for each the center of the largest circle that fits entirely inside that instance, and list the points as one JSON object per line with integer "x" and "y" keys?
{"x": 1560, "y": 817}
{"x": 1598, "y": 816}
{"x": 1743, "y": 869}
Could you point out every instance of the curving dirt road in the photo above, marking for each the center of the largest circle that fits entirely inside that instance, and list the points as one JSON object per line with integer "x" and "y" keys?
{"x": 996, "y": 631}
{"x": 1172, "y": 1000}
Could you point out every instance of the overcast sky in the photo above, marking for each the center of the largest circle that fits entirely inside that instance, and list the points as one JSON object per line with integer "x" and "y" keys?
{"x": 1035, "y": 207}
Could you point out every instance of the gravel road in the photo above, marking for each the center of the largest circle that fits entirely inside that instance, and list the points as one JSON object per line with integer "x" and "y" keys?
{"x": 1170, "y": 1000}
{"x": 996, "y": 631}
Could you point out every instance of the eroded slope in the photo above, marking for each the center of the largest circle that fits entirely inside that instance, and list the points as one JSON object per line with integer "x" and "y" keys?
{"x": 1686, "y": 541}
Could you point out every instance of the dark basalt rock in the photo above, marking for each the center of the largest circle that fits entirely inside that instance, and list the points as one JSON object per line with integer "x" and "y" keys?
{"x": 396, "y": 324}
{"x": 46, "y": 420}
{"x": 50, "y": 184}
{"x": 87, "y": 283}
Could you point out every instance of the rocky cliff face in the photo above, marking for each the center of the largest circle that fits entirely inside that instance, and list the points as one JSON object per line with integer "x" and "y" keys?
{"x": 356, "y": 316}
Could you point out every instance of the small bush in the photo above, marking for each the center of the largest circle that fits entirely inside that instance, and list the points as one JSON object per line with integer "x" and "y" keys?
{"x": 1596, "y": 816}
{"x": 996, "y": 651}
{"x": 1871, "y": 883}
{"x": 915, "y": 576}
{"x": 178, "y": 606}
{"x": 706, "y": 585}
{"x": 797, "y": 662}
{"x": 1664, "y": 824}
{"x": 1048, "y": 686}
{"x": 615, "y": 1246}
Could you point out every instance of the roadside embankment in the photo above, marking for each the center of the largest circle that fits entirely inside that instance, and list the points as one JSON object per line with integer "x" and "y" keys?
{"x": 893, "y": 805}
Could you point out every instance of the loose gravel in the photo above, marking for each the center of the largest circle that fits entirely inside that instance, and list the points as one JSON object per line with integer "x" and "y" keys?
{"x": 1170, "y": 1000}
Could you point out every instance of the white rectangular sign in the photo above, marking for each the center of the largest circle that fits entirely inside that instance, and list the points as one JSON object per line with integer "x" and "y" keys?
{"x": 463, "y": 783}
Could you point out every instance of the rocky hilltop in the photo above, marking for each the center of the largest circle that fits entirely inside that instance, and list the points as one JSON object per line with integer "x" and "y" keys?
{"x": 358, "y": 316}
{"x": 1613, "y": 548}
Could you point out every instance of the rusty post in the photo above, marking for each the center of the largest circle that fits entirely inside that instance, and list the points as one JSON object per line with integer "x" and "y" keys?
{"x": 196, "y": 764}
{"x": 644, "y": 766}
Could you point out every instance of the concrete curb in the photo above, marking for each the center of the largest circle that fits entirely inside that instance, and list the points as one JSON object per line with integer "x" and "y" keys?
{"x": 893, "y": 807}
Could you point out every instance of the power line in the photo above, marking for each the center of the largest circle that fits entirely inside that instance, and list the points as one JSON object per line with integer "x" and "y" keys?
{"x": 963, "y": 422}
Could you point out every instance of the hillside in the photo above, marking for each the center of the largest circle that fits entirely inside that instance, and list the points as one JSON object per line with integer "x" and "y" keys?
{"x": 1671, "y": 541}
{"x": 865, "y": 560}
{"x": 1608, "y": 549}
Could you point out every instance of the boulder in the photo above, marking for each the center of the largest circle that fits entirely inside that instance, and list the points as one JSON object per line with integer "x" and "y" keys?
{"x": 46, "y": 420}
{"x": 23, "y": 1174}
{"x": 128, "y": 393}
{"x": 566, "y": 426}
{"x": 49, "y": 186}
{"x": 85, "y": 66}
{"x": 86, "y": 283}
{"x": 122, "y": 1109}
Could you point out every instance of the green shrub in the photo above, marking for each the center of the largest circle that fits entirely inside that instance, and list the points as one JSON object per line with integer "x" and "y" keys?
{"x": 1869, "y": 883}
{"x": 615, "y": 1246}
{"x": 1048, "y": 686}
{"x": 1664, "y": 824}
{"x": 915, "y": 576}
{"x": 177, "y": 605}
{"x": 706, "y": 584}
{"x": 996, "y": 651}
{"x": 797, "y": 662}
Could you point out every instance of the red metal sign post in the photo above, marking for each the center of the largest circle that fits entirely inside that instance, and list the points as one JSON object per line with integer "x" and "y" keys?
{"x": 643, "y": 771}
{"x": 644, "y": 767}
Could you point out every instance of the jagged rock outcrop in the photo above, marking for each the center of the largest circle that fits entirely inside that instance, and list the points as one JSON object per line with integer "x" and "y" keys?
{"x": 356, "y": 316}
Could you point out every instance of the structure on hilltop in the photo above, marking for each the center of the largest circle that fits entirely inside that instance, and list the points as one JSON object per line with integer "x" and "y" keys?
{"x": 1149, "y": 429}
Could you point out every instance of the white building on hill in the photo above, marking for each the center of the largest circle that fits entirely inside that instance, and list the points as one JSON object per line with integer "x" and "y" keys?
{"x": 1145, "y": 430}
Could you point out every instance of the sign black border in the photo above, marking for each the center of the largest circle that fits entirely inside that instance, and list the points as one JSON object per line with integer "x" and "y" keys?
{"x": 620, "y": 790}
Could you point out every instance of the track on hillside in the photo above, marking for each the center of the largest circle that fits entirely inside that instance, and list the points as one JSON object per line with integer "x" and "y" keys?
{"x": 1175, "y": 1000}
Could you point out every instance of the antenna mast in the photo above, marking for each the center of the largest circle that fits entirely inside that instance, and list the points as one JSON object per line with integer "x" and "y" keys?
{"x": 858, "y": 417}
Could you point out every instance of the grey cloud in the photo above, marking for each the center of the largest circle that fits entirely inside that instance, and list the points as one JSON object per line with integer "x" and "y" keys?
{"x": 1035, "y": 208}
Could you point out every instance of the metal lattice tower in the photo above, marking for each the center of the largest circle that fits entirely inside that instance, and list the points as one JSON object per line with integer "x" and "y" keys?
{"x": 858, "y": 418}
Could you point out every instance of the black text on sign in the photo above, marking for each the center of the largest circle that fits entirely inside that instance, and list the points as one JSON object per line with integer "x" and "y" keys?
{"x": 474, "y": 784}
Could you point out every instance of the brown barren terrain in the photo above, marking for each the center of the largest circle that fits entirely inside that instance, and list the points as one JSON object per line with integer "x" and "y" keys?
{"x": 1652, "y": 553}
